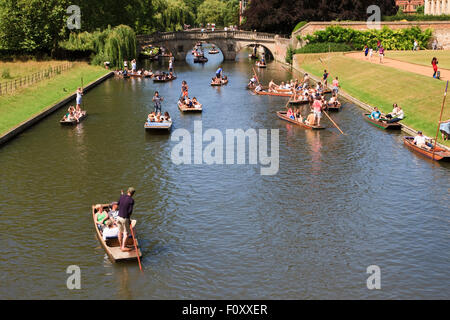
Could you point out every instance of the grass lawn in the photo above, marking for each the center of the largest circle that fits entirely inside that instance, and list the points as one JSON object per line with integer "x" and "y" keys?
{"x": 25, "y": 103}
{"x": 19, "y": 69}
{"x": 422, "y": 57}
{"x": 381, "y": 86}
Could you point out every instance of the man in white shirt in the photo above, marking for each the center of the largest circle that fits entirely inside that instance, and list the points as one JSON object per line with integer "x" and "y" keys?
{"x": 421, "y": 141}
{"x": 110, "y": 231}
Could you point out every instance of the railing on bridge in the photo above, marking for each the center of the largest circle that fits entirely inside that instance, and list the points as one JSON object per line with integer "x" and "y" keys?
{"x": 208, "y": 35}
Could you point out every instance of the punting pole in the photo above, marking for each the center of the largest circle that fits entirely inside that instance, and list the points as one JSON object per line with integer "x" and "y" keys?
{"x": 256, "y": 75}
{"x": 135, "y": 247}
{"x": 440, "y": 119}
{"x": 333, "y": 122}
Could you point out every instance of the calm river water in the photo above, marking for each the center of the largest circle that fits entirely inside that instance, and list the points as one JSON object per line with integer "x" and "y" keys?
{"x": 337, "y": 205}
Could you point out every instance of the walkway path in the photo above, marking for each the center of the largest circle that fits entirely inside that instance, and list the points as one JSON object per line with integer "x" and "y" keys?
{"x": 406, "y": 66}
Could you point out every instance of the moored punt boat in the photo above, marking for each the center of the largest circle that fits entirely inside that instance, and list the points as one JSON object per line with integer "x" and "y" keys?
{"x": 301, "y": 100}
{"x": 165, "y": 79}
{"x": 334, "y": 107}
{"x": 282, "y": 115}
{"x": 72, "y": 122}
{"x": 383, "y": 125}
{"x": 260, "y": 65}
{"x": 440, "y": 154}
{"x": 213, "y": 51}
{"x": 157, "y": 126}
{"x": 252, "y": 87}
{"x": 279, "y": 94}
{"x": 112, "y": 247}
{"x": 185, "y": 108}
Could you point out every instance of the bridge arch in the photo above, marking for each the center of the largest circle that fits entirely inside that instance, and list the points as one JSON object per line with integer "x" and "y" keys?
{"x": 229, "y": 42}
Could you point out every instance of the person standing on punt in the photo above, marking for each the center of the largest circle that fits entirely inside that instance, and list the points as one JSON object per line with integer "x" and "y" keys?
{"x": 79, "y": 95}
{"x": 219, "y": 73}
{"x": 126, "y": 204}
{"x": 171, "y": 65}
{"x": 317, "y": 108}
{"x": 157, "y": 101}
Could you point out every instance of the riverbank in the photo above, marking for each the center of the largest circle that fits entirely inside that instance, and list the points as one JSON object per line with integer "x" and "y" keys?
{"x": 29, "y": 102}
{"x": 381, "y": 86}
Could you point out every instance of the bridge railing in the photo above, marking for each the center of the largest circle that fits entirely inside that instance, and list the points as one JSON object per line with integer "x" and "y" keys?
{"x": 207, "y": 35}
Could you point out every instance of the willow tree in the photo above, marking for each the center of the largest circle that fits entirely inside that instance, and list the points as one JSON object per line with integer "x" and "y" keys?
{"x": 120, "y": 45}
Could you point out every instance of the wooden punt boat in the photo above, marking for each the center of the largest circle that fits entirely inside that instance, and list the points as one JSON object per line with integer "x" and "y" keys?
{"x": 282, "y": 115}
{"x": 184, "y": 108}
{"x": 383, "y": 125}
{"x": 223, "y": 82}
{"x": 213, "y": 51}
{"x": 126, "y": 76}
{"x": 200, "y": 59}
{"x": 157, "y": 126}
{"x": 279, "y": 94}
{"x": 166, "y": 79}
{"x": 112, "y": 247}
{"x": 72, "y": 122}
{"x": 299, "y": 101}
{"x": 335, "y": 107}
{"x": 440, "y": 154}
{"x": 252, "y": 87}
{"x": 136, "y": 75}
{"x": 260, "y": 65}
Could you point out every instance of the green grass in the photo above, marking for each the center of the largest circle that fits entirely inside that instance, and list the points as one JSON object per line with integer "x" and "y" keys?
{"x": 20, "y": 69}
{"x": 422, "y": 57}
{"x": 25, "y": 103}
{"x": 381, "y": 86}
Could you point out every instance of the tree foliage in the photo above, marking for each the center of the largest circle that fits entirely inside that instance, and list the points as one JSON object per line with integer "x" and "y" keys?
{"x": 281, "y": 16}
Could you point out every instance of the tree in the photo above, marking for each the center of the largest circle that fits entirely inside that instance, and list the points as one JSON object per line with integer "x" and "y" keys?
{"x": 31, "y": 25}
{"x": 211, "y": 11}
{"x": 280, "y": 16}
{"x": 231, "y": 13}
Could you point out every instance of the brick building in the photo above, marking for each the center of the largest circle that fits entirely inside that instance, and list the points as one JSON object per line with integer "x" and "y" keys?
{"x": 409, "y": 6}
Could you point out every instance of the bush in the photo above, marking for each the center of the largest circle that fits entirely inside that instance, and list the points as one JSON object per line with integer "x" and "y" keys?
{"x": 416, "y": 17}
{"x": 299, "y": 25}
{"x": 6, "y": 74}
{"x": 324, "y": 47}
{"x": 289, "y": 55}
{"x": 401, "y": 39}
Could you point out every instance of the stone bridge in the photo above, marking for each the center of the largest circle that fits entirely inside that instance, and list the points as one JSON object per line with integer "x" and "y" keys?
{"x": 229, "y": 42}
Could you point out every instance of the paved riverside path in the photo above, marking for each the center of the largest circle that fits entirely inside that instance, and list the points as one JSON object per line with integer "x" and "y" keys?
{"x": 401, "y": 65}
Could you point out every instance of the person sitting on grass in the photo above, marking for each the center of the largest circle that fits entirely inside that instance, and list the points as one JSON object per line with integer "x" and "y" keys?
{"x": 421, "y": 141}
{"x": 375, "y": 115}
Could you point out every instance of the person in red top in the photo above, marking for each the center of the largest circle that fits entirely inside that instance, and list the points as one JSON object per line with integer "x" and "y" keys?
{"x": 434, "y": 63}
{"x": 317, "y": 108}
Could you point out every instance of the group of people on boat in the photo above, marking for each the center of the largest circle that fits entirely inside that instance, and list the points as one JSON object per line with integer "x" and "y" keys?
{"x": 219, "y": 78}
{"x": 184, "y": 98}
{"x": 164, "y": 76}
{"x": 75, "y": 113}
{"x": 158, "y": 117}
{"x": 114, "y": 221}
{"x": 397, "y": 114}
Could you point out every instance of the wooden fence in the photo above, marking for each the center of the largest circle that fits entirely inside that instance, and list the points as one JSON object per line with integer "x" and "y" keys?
{"x": 13, "y": 85}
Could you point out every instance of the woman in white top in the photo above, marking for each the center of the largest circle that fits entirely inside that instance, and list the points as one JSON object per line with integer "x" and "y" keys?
{"x": 110, "y": 231}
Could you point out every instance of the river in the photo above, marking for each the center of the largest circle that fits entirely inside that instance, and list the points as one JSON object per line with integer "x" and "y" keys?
{"x": 338, "y": 204}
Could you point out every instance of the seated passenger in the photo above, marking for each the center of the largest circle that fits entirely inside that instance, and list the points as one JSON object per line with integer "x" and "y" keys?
{"x": 421, "y": 141}
{"x": 195, "y": 103}
{"x": 114, "y": 212}
{"x": 101, "y": 216}
{"x": 310, "y": 120}
{"x": 258, "y": 88}
{"x": 110, "y": 231}
{"x": 375, "y": 115}
{"x": 166, "y": 117}
{"x": 290, "y": 114}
